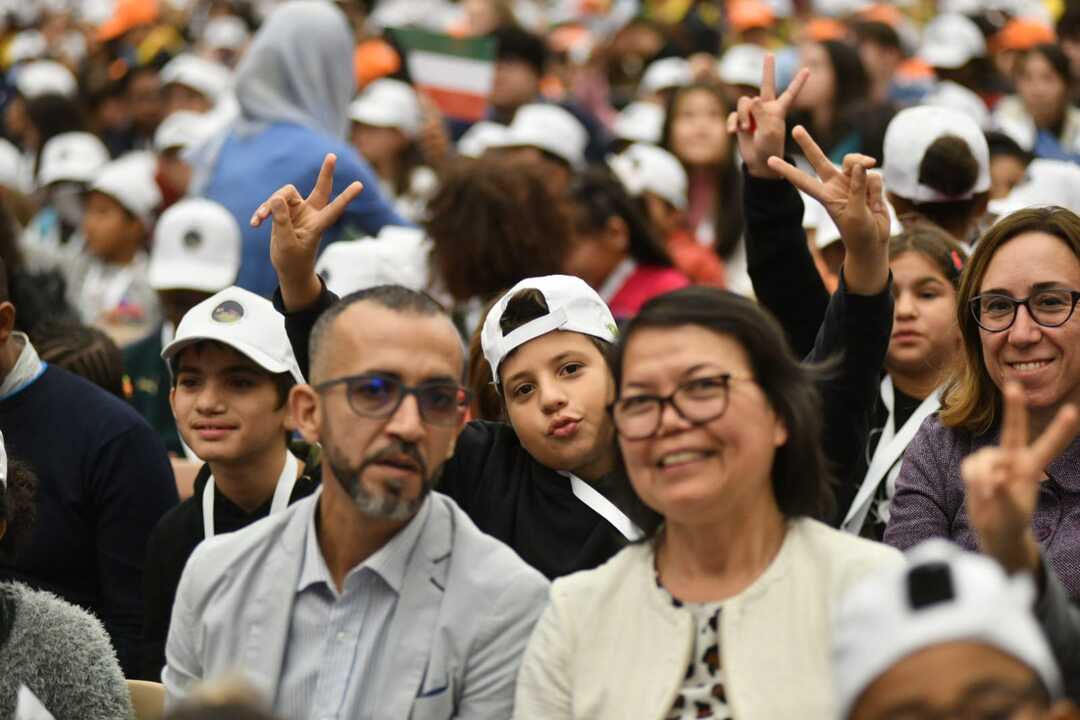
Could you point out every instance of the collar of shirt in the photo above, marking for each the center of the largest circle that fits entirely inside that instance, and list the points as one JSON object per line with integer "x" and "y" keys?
{"x": 28, "y": 367}
{"x": 389, "y": 562}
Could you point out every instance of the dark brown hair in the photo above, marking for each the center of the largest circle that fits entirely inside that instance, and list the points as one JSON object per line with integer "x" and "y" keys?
{"x": 84, "y": 350}
{"x": 972, "y": 401}
{"x": 493, "y": 223}
{"x": 928, "y": 240}
{"x": 17, "y": 508}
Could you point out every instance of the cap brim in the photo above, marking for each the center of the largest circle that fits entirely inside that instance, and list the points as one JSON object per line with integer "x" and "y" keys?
{"x": 944, "y": 56}
{"x": 257, "y": 356}
{"x": 190, "y": 276}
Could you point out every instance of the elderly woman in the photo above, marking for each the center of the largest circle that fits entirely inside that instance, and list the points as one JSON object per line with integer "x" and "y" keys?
{"x": 58, "y": 651}
{"x": 1016, "y": 310}
{"x": 293, "y": 88}
{"x": 724, "y": 610}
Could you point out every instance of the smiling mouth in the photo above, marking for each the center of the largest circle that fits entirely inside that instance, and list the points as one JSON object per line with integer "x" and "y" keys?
{"x": 1029, "y": 365}
{"x": 682, "y": 457}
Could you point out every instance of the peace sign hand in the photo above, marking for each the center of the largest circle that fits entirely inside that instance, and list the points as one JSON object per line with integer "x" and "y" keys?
{"x": 854, "y": 199}
{"x": 1002, "y": 483}
{"x": 298, "y": 227}
{"x": 758, "y": 122}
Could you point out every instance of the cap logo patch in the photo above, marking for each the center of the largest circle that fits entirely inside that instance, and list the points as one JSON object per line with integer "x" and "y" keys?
{"x": 228, "y": 312}
{"x": 192, "y": 240}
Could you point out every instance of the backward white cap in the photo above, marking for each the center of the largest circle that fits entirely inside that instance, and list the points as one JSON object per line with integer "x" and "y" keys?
{"x": 181, "y": 130}
{"x": 207, "y": 77}
{"x": 573, "y": 306}
{"x": 197, "y": 246}
{"x": 663, "y": 74}
{"x": 246, "y": 322}
{"x": 226, "y": 32}
{"x": 551, "y": 129}
{"x": 647, "y": 168}
{"x": 27, "y": 45}
{"x": 398, "y": 256}
{"x": 957, "y": 97}
{"x": 73, "y": 156}
{"x": 951, "y": 41}
{"x": 907, "y": 138}
{"x": 742, "y": 65}
{"x": 42, "y": 77}
{"x": 388, "y": 103}
{"x": 942, "y": 594}
{"x": 481, "y": 136}
{"x": 640, "y": 122}
{"x": 130, "y": 181}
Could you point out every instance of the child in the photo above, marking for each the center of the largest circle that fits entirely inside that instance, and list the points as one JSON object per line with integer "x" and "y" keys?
{"x": 232, "y": 370}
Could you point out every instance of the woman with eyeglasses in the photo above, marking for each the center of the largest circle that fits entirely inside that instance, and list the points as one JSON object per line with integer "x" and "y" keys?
{"x": 723, "y": 610}
{"x": 1017, "y": 315}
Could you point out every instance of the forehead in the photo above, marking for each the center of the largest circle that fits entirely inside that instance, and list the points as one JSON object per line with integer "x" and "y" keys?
{"x": 369, "y": 337}
{"x": 539, "y": 352}
{"x": 655, "y": 354}
{"x": 1031, "y": 258}
{"x": 209, "y": 355}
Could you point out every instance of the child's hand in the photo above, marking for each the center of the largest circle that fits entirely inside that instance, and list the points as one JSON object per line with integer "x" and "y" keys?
{"x": 758, "y": 123}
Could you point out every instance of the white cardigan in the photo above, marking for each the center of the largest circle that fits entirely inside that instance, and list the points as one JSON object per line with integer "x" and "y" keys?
{"x": 609, "y": 645}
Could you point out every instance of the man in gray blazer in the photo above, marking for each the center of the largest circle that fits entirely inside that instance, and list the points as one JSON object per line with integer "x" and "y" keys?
{"x": 375, "y": 597}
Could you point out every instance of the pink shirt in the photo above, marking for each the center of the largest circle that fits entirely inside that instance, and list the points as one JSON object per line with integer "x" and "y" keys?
{"x": 643, "y": 284}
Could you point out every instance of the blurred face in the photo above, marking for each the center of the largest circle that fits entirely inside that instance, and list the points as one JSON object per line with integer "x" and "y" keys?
{"x": 694, "y": 474}
{"x": 879, "y": 60}
{"x": 1071, "y": 48}
{"x": 820, "y": 87}
{"x": 698, "y": 129}
{"x": 954, "y": 679}
{"x": 556, "y": 388}
{"x": 227, "y": 408}
{"x": 378, "y": 144}
{"x": 595, "y": 253}
{"x": 387, "y": 466}
{"x": 667, "y": 218}
{"x": 176, "y": 303}
{"x": 925, "y": 335}
{"x": 16, "y": 121}
{"x": 1044, "y": 361}
{"x": 1006, "y": 172}
{"x": 1043, "y": 91}
{"x": 173, "y": 171}
{"x": 144, "y": 101}
{"x": 112, "y": 233}
{"x": 182, "y": 97}
{"x": 516, "y": 83}
{"x": 482, "y": 16}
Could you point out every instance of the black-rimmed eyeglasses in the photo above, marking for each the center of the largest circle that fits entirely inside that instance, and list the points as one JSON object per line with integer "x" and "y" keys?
{"x": 1050, "y": 308}
{"x": 697, "y": 401}
{"x": 374, "y": 395}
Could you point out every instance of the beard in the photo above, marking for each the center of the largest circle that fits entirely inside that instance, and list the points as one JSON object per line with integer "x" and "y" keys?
{"x": 392, "y": 504}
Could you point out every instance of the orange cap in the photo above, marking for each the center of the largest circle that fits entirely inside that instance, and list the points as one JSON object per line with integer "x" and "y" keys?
{"x": 1023, "y": 34}
{"x": 374, "y": 59}
{"x": 128, "y": 15}
{"x": 883, "y": 13}
{"x": 746, "y": 15}
{"x": 822, "y": 28}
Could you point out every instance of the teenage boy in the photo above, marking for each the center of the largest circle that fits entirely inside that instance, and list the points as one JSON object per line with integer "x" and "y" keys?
{"x": 232, "y": 369}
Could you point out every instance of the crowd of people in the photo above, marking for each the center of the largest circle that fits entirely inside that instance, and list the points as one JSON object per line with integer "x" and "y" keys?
{"x": 726, "y": 366}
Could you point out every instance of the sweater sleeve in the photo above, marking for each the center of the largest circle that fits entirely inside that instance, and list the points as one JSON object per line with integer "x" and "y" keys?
{"x": 300, "y": 323}
{"x": 785, "y": 279}
{"x": 1060, "y": 620}
{"x": 544, "y": 683}
{"x": 920, "y": 509}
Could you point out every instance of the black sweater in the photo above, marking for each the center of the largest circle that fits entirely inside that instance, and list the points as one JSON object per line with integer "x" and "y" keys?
{"x": 103, "y": 483}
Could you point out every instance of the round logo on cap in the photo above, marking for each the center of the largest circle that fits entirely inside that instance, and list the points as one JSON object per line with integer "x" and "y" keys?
{"x": 192, "y": 240}
{"x": 228, "y": 312}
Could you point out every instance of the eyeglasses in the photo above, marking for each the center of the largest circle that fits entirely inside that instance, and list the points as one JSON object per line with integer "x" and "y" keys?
{"x": 375, "y": 395}
{"x": 1049, "y": 308}
{"x": 697, "y": 401}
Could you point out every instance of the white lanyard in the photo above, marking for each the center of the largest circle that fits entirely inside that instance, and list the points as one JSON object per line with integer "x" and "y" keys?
{"x": 616, "y": 280}
{"x": 887, "y": 455}
{"x": 282, "y": 493}
{"x": 603, "y": 507}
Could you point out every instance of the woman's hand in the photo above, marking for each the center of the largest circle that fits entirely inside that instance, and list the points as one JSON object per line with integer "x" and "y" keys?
{"x": 298, "y": 227}
{"x": 1002, "y": 483}
{"x": 853, "y": 197}
{"x": 758, "y": 122}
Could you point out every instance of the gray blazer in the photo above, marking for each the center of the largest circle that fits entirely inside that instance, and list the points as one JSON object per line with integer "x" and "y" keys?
{"x": 461, "y": 624}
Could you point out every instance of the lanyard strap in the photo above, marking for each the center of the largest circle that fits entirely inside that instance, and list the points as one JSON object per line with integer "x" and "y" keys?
{"x": 603, "y": 507}
{"x": 282, "y": 493}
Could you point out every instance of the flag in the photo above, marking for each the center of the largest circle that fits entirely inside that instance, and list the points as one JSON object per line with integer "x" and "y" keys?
{"x": 457, "y": 73}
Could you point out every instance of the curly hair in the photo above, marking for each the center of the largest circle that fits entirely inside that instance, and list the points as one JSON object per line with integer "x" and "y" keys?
{"x": 17, "y": 508}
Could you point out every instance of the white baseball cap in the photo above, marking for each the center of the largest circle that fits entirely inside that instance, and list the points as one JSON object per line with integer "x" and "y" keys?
{"x": 246, "y": 322}
{"x": 647, "y": 168}
{"x": 43, "y": 77}
{"x": 181, "y": 130}
{"x": 130, "y": 181}
{"x": 206, "y": 77}
{"x": 549, "y": 128}
{"x": 911, "y": 132}
{"x": 225, "y": 32}
{"x": 948, "y": 94}
{"x": 197, "y": 246}
{"x": 951, "y": 41}
{"x": 481, "y": 136}
{"x": 942, "y": 594}
{"x": 640, "y": 122}
{"x": 398, "y": 256}
{"x": 27, "y": 45}
{"x": 664, "y": 74}
{"x": 11, "y": 165}
{"x": 573, "y": 306}
{"x": 73, "y": 156}
{"x": 388, "y": 103}
{"x": 742, "y": 65}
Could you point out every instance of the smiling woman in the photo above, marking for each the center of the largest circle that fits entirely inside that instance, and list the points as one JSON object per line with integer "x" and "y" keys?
{"x": 1016, "y": 311}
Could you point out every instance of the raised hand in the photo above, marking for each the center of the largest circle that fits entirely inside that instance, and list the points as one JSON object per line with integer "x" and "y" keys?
{"x": 758, "y": 122}
{"x": 1002, "y": 483}
{"x": 853, "y": 197}
{"x": 298, "y": 227}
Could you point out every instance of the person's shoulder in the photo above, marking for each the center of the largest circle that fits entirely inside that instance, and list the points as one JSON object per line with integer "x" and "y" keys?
{"x": 482, "y": 560}
{"x": 174, "y": 525}
{"x": 605, "y": 583}
{"x": 936, "y": 439}
{"x": 662, "y": 278}
{"x": 834, "y": 558}
{"x": 52, "y": 626}
{"x": 92, "y": 406}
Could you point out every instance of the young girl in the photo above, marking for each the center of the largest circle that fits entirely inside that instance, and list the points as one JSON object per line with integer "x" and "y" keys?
{"x": 1039, "y": 116}
{"x": 926, "y": 264}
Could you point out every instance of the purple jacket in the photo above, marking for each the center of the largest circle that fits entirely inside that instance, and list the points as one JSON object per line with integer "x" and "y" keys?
{"x": 929, "y": 500}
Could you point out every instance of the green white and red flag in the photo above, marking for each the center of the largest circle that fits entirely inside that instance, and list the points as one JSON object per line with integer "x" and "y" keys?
{"x": 455, "y": 72}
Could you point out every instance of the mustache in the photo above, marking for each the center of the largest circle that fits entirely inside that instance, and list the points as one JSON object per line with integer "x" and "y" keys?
{"x": 396, "y": 449}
